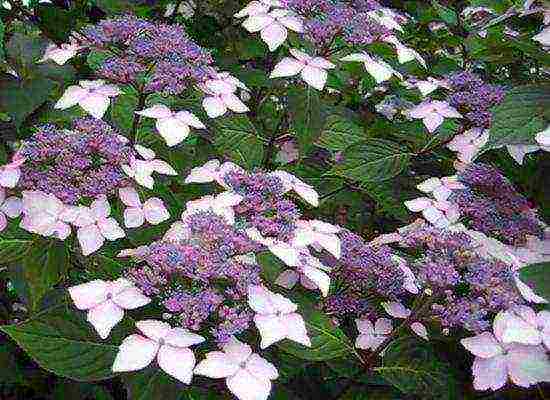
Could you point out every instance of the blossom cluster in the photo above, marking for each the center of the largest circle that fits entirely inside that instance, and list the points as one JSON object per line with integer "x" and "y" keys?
{"x": 204, "y": 278}
{"x": 66, "y": 177}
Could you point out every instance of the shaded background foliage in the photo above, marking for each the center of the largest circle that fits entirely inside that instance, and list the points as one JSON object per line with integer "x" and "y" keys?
{"x": 361, "y": 193}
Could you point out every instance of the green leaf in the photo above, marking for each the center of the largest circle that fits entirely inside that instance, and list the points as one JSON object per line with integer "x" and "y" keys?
{"x": 39, "y": 268}
{"x": 446, "y": 14}
{"x": 520, "y": 116}
{"x": 19, "y": 98}
{"x": 327, "y": 340}
{"x": 62, "y": 342}
{"x": 271, "y": 266}
{"x": 23, "y": 51}
{"x": 538, "y": 277}
{"x": 339, "y": 133}
{"x": 236, "y": 136}
{"x": 372, "y": 160}
{"x": 151, "y": 384}
{"x": 13, "y": 249}
{"x": 411, "y": 366}
{"x": 307, "y": 117}
{"x": 10, "y": 372}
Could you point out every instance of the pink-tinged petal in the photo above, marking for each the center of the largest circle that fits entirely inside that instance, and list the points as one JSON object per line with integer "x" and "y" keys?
{"x": 544, "y": 36}
{"x": 296, "y": 329}
{"x": 256, "y": 23}
{"x": 271, "y": 329}
{"x": 72, "y": 96}
{"x": 95, "y": 104}
{"x": 177, "y": 362}
{"x": 9, "y": 177}
{"x": 330, "y": 243}
{"x": 274, "y": 35}
{"x": 291, "y": 22}
{"x": 433, "y": 121}
{"x": 420, "y": 330}
{"x": 131, "y": 298}
{"x": 245, "y": 386}
{"x": 100, "y": 208}
{"x": 261, "y": 368}
{"x": 418, "y": 204}
{"x": 133, "y": 217}
{"x": 203, "y": 174}
{"x": 220, "y": 86}
{"x": 449, "y": 112}
{"x": 484, "y": 345}
{"x": 543, "y": 319}
{"x": 367, "y": 341}
{"x": 12, "y": 207}
{"x": 517, "y": 330}
{"x": 379, "y": 70}
{"x": 528, "y": 294}
{"x": 490, "y": 373}
{"x": 233, "y": 103}
{"x": 79, "y": 216}
{"x": 435, "y": 217}
{"x": 90, "y": 294}
{"x": 162, "y": 167}
{"x": 253, "y": 8}
{"x": 528, "y": 365}
{"x": 320, "y": 62}
{"x": 61, "y": 230}
{"x": 287, "y": 279}
{"x": 543, "y": 138}
{"x": 314, "y": 77}
{"x": 110, "y": 229}
{"x": 259, "y": 299}
{"x": 286, "y": 253}
{"x": 286, "y": 67}
{"x": 108, "y": 90}
{"x": 307, "y": 193}
{"x": 318, "y": 277}
{"x": 157, "y": 111}
{"x": 519, "y": 151}
{"x": 145, "y": 152}
{"x": 179, "y": 337}
{"x": 214, "y": 106}
{"x": 429, "y": 185}
{"x": 153, "y": 329}
{"x": 441, "y": 193}
{"x": 237, "y": 351}
{"x": 155, "y": 211}
{"x": 383, "y": 326}
{"x": 216, "y": 365}
{"x": 3, "y": 222}
{"x": 364, "y": 326}
{"x": 90, "y": 239}
{"x": 135, "y": 353}
{"x": 172, "y": 130}
{"x": 396, "y": 309}
{"x": 104, "y": 317}
{"x": 129, "y": 196}
{"x": 300, "y": 56}
{"x": 177, "y": 232}
{"x": 190, "y": 119}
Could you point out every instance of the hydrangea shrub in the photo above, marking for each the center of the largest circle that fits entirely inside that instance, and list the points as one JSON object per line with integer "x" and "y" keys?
{"x": 275, "y": 199}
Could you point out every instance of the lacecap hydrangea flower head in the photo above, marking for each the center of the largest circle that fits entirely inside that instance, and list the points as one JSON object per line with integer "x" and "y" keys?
{"x": 206, "y": 285}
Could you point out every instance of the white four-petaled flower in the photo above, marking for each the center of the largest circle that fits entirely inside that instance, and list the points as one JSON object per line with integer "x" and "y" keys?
{"x": 440, "y": 213}
{"x": 247, "y": 375}
{"x": 136, "y": 213}
{"x": 433, "y": 113}
{"x": 273, "y": 26}
{"x": 220, "y": 92}
{"x": 313, "y": 70}
{"x": 276, "y": 317}
{"x": 106, "y": 301}
{"x": 92, "y": 96}
{"x": 172, "y": 126}
{"x": 380, "y": 70}
{"x": 170, "y": 347}
{"x": 94, "y": 225}
{"x": 221, "y": 204}
{"x": 43, "y": 215}
{"x": 371, "y": 337}
{"x": 440, "y": 188}
{"x": 142, "y": 170}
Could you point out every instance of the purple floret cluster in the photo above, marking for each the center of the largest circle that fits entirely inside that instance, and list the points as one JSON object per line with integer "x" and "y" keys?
{"x": 160, "y": 57}
{"x": 201, "y": 276}
{"x": 474, "y": 98}
{"x": 326, "y": 21}
{"x": 362, "y": 271}
{"x": 467, "y": 290}
{"x": 265, "y": 208}
{"x": 491, "y": 205}
{"x": 82, "y": 163}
